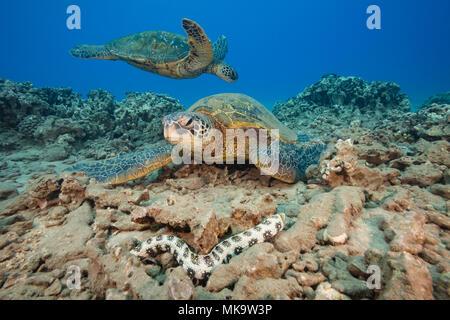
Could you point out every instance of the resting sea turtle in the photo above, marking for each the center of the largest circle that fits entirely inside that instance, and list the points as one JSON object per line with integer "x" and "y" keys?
{"x": 166, "y": 53}
{"x": 204, "y": 119}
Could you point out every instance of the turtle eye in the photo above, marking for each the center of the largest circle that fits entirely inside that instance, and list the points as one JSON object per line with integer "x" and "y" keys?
{"x": 189, "y": 122}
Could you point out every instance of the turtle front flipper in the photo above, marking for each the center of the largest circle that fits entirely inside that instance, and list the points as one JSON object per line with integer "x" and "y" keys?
{"x": 201, "y": 51}
{"x": 92, "y": 52}
{"x": 293, "y": 159}
{"x": 126, "y": 167}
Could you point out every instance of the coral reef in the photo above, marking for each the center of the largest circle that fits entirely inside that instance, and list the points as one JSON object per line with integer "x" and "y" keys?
{"x": 357, "y": 103}
{"x": 372, "y": 221}
{"x": 441, "y": 98}
{"x": 44, "y": 115}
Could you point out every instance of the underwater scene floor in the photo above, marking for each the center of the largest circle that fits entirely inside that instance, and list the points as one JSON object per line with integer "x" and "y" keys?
{"x": 370, "y": 221}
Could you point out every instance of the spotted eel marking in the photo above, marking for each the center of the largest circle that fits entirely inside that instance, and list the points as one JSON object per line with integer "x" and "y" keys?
{"x": 200, "y": 266}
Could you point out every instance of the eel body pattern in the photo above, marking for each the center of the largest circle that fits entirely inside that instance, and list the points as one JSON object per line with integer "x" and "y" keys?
{"x": 200, "y": 266}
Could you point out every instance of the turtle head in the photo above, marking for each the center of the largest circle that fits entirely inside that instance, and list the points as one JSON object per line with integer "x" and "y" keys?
{"x": 180, "y": 127}
{"x": 223, "y": 70}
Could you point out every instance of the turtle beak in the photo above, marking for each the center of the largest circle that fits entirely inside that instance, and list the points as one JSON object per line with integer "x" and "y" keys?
{"x": 174, "y": 133}
{"x": 234, "y": 76}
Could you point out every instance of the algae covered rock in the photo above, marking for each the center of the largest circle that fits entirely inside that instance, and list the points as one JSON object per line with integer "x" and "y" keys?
{"x": 140, "y": 115}
{"x": 441, "y": 98}
{"x": 47, "y": 115}
{"x": 339, "y": 101}
{"x": 434, "y": 122}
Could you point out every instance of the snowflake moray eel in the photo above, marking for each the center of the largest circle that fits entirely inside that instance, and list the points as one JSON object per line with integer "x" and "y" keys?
{"x": 200, "y": 266}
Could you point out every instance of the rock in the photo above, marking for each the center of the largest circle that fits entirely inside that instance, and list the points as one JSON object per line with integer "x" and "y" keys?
{"x": 177, "y": 286}
{"x": 442, "y": 287}
{"x": 433, "y": 122}
{"x": 447, "y": 176}
{"x": 406, "y": 277}
{"x": 55, "y": 152}
{"x": 73, "y": 190}
{"x": 422, "y": 175}
{"x": 307, "y": 262}
{"x": 125, "y": 274}
{"x": 412, "y": 198}
{"x": 258, "y": 262}
{"x": 43, "y": 280}
{"x": 4, "y": 242}
{"x": 7, "y": 191}
{"x": 334, "y": 209}
{"x": 45, "y": 188}
{"x": 336, "y": 268}
{"x": 188, "y": 183}
{"x": 153, "y": 270}
{"x": 356, "y": 289}
{"x": 140, "y": 115}
{"x": 72, "y": 237}
{"x": 263, "y": 289}
{"x": 441, "y": 98}
{"x": 345, "y": 169}
{"x": 124, "y": 200}
{"x": 6, "y": 254}
{"x": 440, "y": 220}
{"x": 441, "y": 190}
{"x": 351, "y": 98}
{"x": 180, "y": 287}
{"x": 203, "y": 294}
{"x": 347, "y": 207}
{"x": 430, "y": 256}
{"x": 307, "y": 279}
{"x": 325, "y": 292}
{"x": 376, "y": 153}
{"x": 432, "y": 232}
{"x": 114, "y": 294}
{"x": 438, "y": 152}
{"x": 54, "y": 289}
{"x": 309, "y": 293}
{"x": 405, "y": 232}
{"x": 34, "y": 262}
{"x": 56, "y": 216}
{"x": 357, "y": 266}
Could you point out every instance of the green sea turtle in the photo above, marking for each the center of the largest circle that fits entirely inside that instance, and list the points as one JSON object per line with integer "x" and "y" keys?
{"x": 204, "y": 119}
{"x": 167, "y": 54}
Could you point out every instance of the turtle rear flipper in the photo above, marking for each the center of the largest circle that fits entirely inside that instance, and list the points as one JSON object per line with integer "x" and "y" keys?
{"x": 220, "y": 48}
{"x": 201, "y": 51}
{"x": 290, "y": 164}
{"x": 92, "y": 52}
{"x": 126, "y": 167}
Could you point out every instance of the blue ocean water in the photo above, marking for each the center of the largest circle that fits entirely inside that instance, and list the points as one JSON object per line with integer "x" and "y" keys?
{"x": 278, "y": 47}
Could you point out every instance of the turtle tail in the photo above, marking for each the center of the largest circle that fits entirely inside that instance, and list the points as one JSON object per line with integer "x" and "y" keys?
{"x": 92, "y": 52}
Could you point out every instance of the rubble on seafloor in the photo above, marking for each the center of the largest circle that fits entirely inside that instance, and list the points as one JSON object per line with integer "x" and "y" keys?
{"x": 381, "y": 208}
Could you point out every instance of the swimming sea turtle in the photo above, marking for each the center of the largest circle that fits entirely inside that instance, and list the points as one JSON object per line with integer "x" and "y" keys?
{"x": 166, "y": 53}
{"x": 201, "y": 122}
